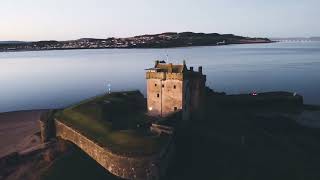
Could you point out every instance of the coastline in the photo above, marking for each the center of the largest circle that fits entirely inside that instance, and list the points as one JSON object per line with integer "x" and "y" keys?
{"x": 19, "y": 131}
{"x": 168, "y": 47}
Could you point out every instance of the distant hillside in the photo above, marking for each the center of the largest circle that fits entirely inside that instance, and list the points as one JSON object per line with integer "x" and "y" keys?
{"x": 163, "y": 40}
{"x": 12, "y": 42}
{"x": 315, "y": 38}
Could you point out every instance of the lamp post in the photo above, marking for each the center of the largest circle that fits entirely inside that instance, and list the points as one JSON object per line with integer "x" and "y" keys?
{"x": 109, "y": 88}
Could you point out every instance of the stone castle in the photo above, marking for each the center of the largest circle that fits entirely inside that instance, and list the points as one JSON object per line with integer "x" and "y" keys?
{"x": 172, "y": 88}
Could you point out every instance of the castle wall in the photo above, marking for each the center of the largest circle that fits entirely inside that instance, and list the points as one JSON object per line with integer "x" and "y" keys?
{"x": 197, "y": 93}
{"x": 47, "y": 126}
{"x": 186, "y": 100}
{"x": 171, "y": 97}
{"x": 45, "y": 132}
{"x": 193, "y": 96}
{"x": 144, "y": 167}
{"x": 154, "y": 102}
{"x": 164, "y": 96}
{"x": 163, "y": 75}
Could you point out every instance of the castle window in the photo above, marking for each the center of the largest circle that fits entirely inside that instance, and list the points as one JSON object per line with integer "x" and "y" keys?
{"x": 158, "y": 95}
{"x": 174, "y": 87}
{"x": 175, "y": 108}
{"x": 155, "y": 84}
{"x": 163, "y": 85}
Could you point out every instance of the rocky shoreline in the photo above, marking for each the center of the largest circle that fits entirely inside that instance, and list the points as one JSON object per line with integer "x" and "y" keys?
{"x": 19, "y": 131}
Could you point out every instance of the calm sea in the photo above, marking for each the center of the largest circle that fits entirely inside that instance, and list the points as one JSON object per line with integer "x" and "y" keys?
{"x": 51, "y": 79}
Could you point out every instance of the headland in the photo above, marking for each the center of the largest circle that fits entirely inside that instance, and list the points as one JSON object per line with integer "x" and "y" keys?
{"x": 163, "y": 40}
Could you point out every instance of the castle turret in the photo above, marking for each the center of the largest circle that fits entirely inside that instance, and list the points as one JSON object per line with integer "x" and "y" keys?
{"x": 172, "y": 88}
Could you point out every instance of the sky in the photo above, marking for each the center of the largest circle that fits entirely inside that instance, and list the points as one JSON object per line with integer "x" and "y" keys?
{"x": 32, "y": 20}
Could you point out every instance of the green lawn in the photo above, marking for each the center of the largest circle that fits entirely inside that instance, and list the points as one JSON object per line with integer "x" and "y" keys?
{"x": 112, "y": 121}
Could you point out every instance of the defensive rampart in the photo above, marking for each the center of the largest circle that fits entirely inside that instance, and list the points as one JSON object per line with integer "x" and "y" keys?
{"x": 128, "y": 167}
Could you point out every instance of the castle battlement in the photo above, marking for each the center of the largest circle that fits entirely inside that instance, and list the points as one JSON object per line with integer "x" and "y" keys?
{"x": 164, "y": 76}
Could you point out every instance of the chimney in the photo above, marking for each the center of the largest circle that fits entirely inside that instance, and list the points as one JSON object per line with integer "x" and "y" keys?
{"x": 170, "y": 68}
{"x": 184, "y": 65}
{"x": 156, "y": 63}
{"x": 200, "y": 69}
{"x": 191, "y": 68}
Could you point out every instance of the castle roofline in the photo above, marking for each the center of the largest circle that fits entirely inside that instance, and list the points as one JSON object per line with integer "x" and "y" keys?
{"x": 163, "y": 70}
{"x": 152, "y": 69}
{"x": 179, "y": 68}
{"x": 162, "y": 66}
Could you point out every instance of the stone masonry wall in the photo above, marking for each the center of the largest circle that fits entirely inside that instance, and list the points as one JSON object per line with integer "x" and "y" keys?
{"x": 197, "y": 95}
{"x": 47, "y": 126}
{"x": 164, "y": 96}
{"x": 145, "y": 167}
{"x": 163, "y": 75}
{"x": 171, "y": 96}
{"x": 154, "y": 102}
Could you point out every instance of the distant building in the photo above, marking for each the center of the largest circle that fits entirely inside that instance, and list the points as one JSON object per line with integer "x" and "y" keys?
{"x": 172, "y": 88}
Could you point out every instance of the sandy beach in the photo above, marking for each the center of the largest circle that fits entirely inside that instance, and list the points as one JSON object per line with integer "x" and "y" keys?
{"x": 17, "y": 131}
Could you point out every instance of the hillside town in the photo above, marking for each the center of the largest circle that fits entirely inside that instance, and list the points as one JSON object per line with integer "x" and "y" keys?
{"x": 163, "y": 40}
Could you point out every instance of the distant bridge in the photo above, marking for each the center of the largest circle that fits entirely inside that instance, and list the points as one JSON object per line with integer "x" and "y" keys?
{"x": 293, "y": 40}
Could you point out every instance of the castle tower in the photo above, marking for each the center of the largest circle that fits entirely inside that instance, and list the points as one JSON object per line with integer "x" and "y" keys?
{"x": 172, "y": 88}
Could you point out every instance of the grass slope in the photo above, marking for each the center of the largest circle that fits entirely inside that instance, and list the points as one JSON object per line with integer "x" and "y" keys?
{"x": 113, "y": 121}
